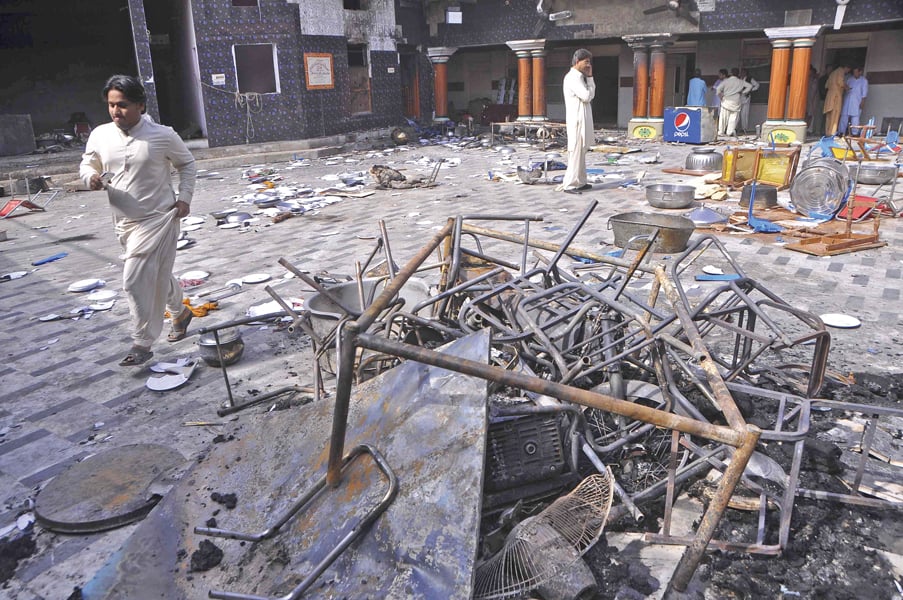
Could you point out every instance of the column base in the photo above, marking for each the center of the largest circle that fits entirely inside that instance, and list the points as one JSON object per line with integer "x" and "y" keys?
{"x": 783, "y": 132}
{"x": 440, "y": 119}
{"x": 645, "y": 128}
{"x": 539, "y": 118}
{"x": 525, "y": 118}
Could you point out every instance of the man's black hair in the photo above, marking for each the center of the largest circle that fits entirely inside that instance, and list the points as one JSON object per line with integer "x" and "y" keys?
{"x": 130, "y": 87}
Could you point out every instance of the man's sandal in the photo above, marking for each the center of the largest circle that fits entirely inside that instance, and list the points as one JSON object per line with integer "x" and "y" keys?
{"x": 180, "y": 325}
{"x": 136, "y": 357}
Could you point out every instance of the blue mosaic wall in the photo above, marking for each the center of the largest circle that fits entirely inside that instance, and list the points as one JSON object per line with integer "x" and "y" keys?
{"x": 295, "y": 112}
{"x": 742, "y": 15}
{"x": 493, "y": 23}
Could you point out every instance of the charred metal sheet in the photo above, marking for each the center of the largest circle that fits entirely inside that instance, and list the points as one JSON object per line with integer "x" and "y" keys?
{"x": 428, "y": 423}
{"x": 107, "y": 490}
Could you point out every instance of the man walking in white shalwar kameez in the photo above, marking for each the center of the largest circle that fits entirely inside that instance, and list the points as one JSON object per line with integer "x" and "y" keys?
{"x": 579, "y": 91}
{"x": 136, "y": 155}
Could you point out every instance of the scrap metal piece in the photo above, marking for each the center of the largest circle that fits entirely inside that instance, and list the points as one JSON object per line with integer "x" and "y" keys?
{"x": 106, "y": 490}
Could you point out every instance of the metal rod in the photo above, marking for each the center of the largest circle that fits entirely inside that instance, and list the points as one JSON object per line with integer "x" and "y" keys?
{"x": 530, "y": 383}
{"x": 316, "y": 285}
{"x": 717, "y": 505}
{"x": 390, "y": 264}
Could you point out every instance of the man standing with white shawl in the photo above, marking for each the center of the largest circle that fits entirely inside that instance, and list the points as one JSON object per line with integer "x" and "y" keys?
{"x": 579, "y": 91}
{"x": 136, "y": 156}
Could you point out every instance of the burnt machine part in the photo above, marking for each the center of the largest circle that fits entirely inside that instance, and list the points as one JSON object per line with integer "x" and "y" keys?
{"x": 525, "y": 458}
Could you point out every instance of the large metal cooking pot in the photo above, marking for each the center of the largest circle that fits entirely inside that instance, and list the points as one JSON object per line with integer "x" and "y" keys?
{"x": 665, "y": 195}
{"x": 704, "y": 159}
{"x": 766, "y": 196}
{"x": 674, "y": 231}
{"x": 873, "y": 173}
{"x": 230, "y": 345}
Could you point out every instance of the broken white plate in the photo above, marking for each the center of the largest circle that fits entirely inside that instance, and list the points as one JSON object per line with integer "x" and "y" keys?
{"x": 840, "y": 321}
{"x": 192, "y": 221}
{"x": 193, "y": 227}
{"x": 230, "y": 226}
{"x": 175, "y": 377}
{"x": 712, "y": 270}
{"x": 194, "y": 275}
{"x": 86, "y": 285}
{"x": 184, "y": 243}
{"x": 101, "y": 295}
{"x": 255, "y": 278}
{"x": 102, "y": 305}
{"x": 165, "y": 367}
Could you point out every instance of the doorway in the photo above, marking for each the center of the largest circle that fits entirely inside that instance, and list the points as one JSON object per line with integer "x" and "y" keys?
{"x": 174, "y": 61}
{"x": 676, "y": 69}
{"x": 605, "y": 102}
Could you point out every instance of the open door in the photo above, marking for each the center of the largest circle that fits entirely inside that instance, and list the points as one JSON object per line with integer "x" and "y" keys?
{"x": 410, "y": 85}
{"x": 676, "y": 80}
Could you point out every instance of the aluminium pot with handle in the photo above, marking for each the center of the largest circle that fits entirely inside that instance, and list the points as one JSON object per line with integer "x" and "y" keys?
{"x": 665, "y": 195}
{"x": 704, "y": 159}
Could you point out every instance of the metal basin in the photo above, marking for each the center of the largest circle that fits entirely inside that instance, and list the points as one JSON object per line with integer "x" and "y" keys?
{"x": 674, "y": 231}
{"x": 325, "y": 315}
{"x": 873, "y": 173}
{"x": 664, "y": 195}
{"x": 704, "y": 159}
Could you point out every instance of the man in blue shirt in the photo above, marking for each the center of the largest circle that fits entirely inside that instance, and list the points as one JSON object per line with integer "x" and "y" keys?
{"x": 856, "y": 90}
{"x": 696, "y": 90}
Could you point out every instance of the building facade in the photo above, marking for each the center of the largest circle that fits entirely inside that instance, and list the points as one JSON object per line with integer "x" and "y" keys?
{"x": 251, "y": 71}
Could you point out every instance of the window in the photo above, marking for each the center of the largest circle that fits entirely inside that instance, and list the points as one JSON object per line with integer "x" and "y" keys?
{"x": 359, "y": 75}
{"x": 255, "y": 68}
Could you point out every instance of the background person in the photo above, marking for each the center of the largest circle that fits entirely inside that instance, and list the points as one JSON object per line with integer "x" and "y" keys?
{"x": 716, "y": 99}
{"x": 731, "y": 90}
{"x": 140, "y": 153}
{"x": 813, "y": 102}
{"x": 745, "y": 99}
{"x": 835, "y": 86}
{"x": 696, "y": 90}
{"x": 579, "y": 91}
{"x": 853, "y": 99}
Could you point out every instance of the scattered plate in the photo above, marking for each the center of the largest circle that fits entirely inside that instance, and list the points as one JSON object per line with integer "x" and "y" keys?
{"x": 192, "y": 221}
{"x": 230, "y": 226}
{"x": 712, "y": 270}
{"x": 184, "y": 244}
{"x": 101, "y": 295}
{"x": 840, "y": 321}
{"x": 86, "y": 285}
{"x": 255, "y": 278}
{"x": 192, "y": 227}
{"x": 102, "y": 305}
{"x": 194, "y": 275}
{"x": 49, "y": 317}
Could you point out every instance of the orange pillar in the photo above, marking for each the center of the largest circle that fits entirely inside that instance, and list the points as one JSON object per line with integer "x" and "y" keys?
{"x": 539, "y": 85}
{"x": 777, "y": 90}
{"x": 524, "y": 86}
{"x": 640, "y": 81}
{"x": 439, "y": 57}
{"x": 799, "y": 79}
{"x": 657, "y": 95}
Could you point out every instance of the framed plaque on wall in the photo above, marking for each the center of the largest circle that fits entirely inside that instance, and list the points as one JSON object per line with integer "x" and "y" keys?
{"x": 318, "y": 71}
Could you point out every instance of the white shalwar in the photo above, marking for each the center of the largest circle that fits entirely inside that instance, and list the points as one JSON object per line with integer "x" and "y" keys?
{"x": 852, "y": 104}
{"x": 144, "y": 215}
{"x": 579, "y": 92}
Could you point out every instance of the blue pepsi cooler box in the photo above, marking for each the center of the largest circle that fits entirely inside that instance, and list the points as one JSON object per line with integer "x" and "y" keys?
{"x": 688, "y": 124}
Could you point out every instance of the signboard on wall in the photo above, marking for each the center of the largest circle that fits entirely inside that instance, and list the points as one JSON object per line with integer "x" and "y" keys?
{"x": 318, "y": 71}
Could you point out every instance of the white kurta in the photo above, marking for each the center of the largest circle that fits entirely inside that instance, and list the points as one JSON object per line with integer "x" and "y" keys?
{"x": 852, "y": 104}
{"x": 731, "y": 91}
{"x": 144, "y": 216}
{"x": 579, "y": 92}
